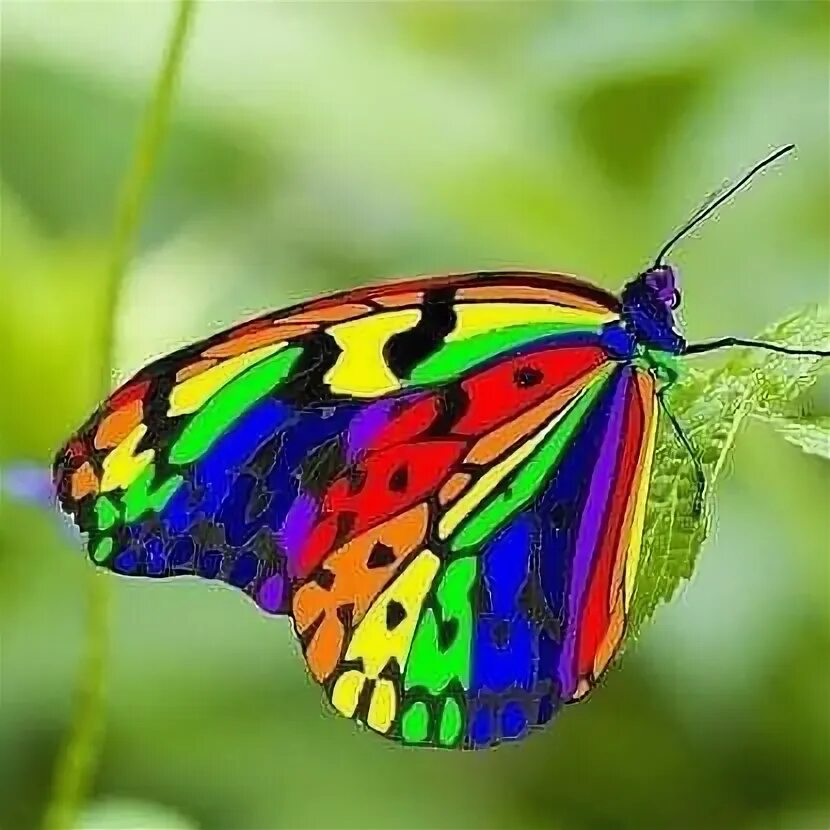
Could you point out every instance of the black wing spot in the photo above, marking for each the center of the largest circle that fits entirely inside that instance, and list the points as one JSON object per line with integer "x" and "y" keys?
{"x": 447, "y": 632}
{"x": 395, "y": 614}
{"x": 321, "y": 466}
{"x": 345, "y": 525}
{"x": 381, "y": 556}
{"x": 399, "y": 480}
{"x": 306, "y": 385}
{"x": 562, "y": 515}
{"x": 501, "y": 634}
{"x": 452, "y": 402}
{"x": 324, "y": 578}
{"x": 407, "y": 349}
{"x": 527, "y": 376}
{"x": 356, "y": 478}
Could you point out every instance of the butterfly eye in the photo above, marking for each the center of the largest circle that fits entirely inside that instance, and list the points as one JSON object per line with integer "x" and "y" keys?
{"x": 674, "y": 302}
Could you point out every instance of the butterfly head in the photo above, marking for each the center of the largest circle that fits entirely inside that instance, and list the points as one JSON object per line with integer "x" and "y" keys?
{"x": 648, "y": 305}
{"x": 663, "y": 283}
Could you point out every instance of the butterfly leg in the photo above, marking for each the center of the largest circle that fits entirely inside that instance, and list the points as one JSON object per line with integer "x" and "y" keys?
{"x": 700, "y": 475}
{"x": 728, "y": 342}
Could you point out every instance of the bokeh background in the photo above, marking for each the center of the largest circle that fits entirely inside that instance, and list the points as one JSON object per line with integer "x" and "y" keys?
{"x": 318, "y": 146}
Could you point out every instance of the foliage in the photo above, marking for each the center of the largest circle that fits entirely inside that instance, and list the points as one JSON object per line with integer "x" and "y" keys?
{"x": 712, "y": 405}
{"x": 811, "y": 433}
{"x": 318, "y": 146}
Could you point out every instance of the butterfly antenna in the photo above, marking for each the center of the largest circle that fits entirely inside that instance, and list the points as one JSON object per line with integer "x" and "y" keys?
{"x": 707, "y": 210}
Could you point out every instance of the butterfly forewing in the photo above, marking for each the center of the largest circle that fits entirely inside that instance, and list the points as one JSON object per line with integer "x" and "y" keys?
{"x": 442, "y": 480}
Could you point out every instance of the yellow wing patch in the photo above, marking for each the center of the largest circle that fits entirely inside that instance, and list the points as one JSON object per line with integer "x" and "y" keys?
{"x": 635, "y": 542}
{"x": 385, "y": 633}
{"x": 361, "y": 368}
{"x": 122, "y": 466}
{"x": 191, "y": 394}
{"x": 482, "y": 318}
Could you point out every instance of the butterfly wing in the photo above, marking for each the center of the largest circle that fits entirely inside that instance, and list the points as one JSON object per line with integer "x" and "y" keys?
{"x": 470, "y": 568}
{"x": 443, "y": 482}
{"x": 559, "y": 578}
{"x": 193, "y": 466}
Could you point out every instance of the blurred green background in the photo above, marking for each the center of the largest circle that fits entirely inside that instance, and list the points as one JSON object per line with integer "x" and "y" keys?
{"x": 319, "y": 146}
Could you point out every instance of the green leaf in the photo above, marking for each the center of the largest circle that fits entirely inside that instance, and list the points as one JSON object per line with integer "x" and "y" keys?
{"x": 810, "y": 432}
{"x": 711, "y": 405}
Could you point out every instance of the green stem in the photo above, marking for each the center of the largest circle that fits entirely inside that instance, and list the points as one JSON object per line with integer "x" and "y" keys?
{"x": 137, "y": 182}
{"x": 79, "y": 756}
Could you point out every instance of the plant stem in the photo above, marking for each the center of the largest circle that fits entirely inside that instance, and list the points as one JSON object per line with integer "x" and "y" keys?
{"x": 81, "y": 749}
{"x": 137, "y": 182}
{"x": 79, "y": 756}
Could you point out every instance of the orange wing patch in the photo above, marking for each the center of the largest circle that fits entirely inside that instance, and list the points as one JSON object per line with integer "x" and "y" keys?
{"x": 455, "y": 485}
{"x": 245, "y": 343}
{"x": 194, "y": 369}
{"x": 354, "y": 575}
{"x": 404, "y": 298}
{"x": 116, "y": 426}
{"x": 84, "y": 482}
{"x": 526, "y": 293}
{"x": 239, "y": 344}
{"x": 335, "y": 313}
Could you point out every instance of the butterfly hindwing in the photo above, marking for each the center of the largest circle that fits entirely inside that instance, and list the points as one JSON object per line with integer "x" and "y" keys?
{"x": 544, "y": 633}
{"x": 444, "y": 502}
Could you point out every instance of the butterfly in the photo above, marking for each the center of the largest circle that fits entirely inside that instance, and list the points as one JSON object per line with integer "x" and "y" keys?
{"x": 442, "y": 482}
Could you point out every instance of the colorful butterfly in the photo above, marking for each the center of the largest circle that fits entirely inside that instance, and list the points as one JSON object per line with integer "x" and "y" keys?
{"x": 442, "y": 482}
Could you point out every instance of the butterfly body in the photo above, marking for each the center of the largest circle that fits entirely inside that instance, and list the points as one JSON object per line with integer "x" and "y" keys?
{"x": 442, "y": 482}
